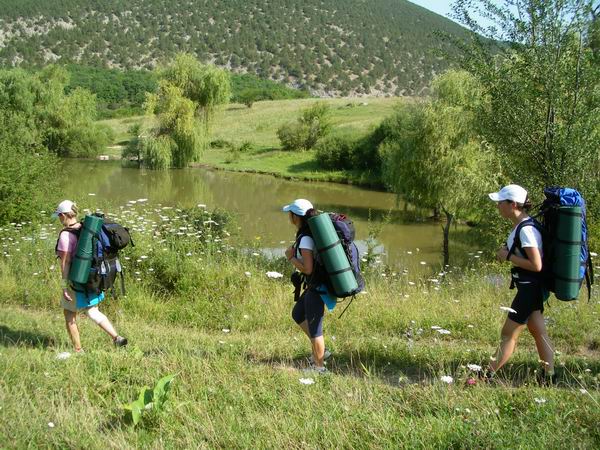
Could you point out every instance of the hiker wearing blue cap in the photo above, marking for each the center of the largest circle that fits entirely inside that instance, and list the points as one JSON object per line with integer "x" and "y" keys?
{"x": 309, "y": 308}
{"x": 523, "y": 249}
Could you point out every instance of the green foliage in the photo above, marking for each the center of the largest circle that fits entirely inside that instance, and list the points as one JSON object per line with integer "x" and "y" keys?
{"x": 335, "y": 151}
{"x": 28, "y": 179}
{"x": 62, "y": 123}
{"x": 157, "y": 152}
{"x": 543, "y": 91}
{"x": 204, "y": 84}
{"x": 188, "y": 94}
{"x": 435, "y": 159}
{"x": 119, "y": 93}
{"x": 149, "y": 399}
{"x": 312, "y": 125}
{"x": 247, "y": 87}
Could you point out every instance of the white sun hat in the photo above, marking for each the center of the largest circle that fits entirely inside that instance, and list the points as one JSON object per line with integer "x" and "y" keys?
{"x": 512, "y": 192}
{"x": 66, "y": 206}
{"x": 298, "y": 207}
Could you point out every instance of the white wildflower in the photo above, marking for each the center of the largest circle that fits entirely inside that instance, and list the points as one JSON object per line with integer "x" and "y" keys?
{"x": 307, "y": 381}
{"x": 274, "y": 275}
{"x": 63, "y": 355}
{"x": 474, "y": 367}
{"x": 447, "y": 379}
{"x": 540, "y": 400}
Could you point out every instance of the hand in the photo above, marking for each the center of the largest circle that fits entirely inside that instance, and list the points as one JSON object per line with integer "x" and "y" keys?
{"x": 289, "y": 252}
{"x": 66, "y": 295}
{"x": 501, "y": 254}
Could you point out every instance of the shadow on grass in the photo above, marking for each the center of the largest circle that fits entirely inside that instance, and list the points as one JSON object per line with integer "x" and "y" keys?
{"x": 403, "y": 370}
{"x": 22, "y": 338}
{"x": 306, "y": 166}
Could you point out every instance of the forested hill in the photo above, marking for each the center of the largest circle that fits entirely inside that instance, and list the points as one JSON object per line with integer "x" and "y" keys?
{"x": 333, "y": 47}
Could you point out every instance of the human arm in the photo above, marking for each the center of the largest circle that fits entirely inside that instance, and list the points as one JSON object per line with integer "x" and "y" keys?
{"x": 65, "y": 266}
{"x": 533, "y": 262}
{"x": 306, "y": 265}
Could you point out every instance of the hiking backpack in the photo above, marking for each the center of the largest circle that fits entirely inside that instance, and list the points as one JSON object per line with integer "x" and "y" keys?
{"x": 345, "y": 230}
{"x": 566, "y": 259}
{"x": 106, "y": 266}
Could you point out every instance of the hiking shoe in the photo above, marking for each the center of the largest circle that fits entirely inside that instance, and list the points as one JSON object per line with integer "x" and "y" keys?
{"x": 546, "y": 380}
{"x": 326, "y": 356}
{"x": 316, "y": 370}
{"x": 486, "y": 376}
{"x": 120, "y": 341}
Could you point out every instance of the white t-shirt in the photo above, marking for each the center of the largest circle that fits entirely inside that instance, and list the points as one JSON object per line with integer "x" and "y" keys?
{"x": 307, "y": 243}
{"x": 530, "y": 237}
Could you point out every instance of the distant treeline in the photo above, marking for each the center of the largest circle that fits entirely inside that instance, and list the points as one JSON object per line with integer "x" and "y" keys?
{"x": 122, "y": 92}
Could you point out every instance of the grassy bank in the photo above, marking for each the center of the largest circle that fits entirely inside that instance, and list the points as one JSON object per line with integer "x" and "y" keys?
{"x": 258, "y": 125}
{"x": 203, "y": 309}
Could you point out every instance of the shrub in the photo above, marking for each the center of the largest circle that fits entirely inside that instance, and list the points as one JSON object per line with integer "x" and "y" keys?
{"x": 335, "y": 151}
{"x": 292, "y": 136}
{"x": 312, "y": 125}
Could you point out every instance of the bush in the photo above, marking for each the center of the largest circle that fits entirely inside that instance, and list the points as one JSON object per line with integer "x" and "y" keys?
{"x": 336, "y": 152}
{"x": 292, "y": 136}
{"x": 312, "y": 125}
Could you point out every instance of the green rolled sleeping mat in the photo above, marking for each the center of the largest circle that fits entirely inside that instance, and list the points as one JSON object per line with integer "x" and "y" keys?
{"x": 332, "y": 254}
{"x": 567, "y": 253}
{"x": 82, "y": 261}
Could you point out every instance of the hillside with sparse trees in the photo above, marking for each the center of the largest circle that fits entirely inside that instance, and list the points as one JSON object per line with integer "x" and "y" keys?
{"x": 333, "y": 47}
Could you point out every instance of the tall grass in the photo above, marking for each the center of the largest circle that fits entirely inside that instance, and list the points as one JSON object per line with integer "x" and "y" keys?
{"x": 200, "y": 306}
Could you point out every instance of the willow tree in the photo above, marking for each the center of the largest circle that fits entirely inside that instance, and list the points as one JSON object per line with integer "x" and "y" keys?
{"x": 185, "y": 103}
{"x": 435, "y": 158}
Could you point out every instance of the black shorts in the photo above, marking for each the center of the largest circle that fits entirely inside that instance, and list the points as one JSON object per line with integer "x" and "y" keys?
{"x": 311, "y": 308}
{"x": 530, "y": 297}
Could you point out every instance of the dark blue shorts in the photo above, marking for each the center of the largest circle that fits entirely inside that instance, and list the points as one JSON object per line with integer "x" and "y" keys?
{"x": 311, "y": 308}
{"x": 530, "y": 297}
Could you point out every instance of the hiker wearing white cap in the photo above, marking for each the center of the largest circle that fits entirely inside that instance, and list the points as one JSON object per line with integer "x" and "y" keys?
{"x": 72, "y": 301}
{"x": 309, "y": 309}
{"x": 523, "y": 249}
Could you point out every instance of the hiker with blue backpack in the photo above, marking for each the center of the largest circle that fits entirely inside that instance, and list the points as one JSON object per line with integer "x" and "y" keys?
{"x": 309, "y": 308}
{"x": 327, "y": 268}
{"x": 72, "y": 300}
{"x": 524, "y": 251}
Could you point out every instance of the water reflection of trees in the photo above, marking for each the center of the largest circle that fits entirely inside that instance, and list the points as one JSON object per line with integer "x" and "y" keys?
{"x": 256, "y": 201}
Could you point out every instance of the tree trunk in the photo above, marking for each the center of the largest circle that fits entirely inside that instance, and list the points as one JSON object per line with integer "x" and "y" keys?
{"x": 446, "y": 229}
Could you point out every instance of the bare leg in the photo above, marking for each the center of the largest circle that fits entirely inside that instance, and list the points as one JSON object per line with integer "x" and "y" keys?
{"x": 537, "y": 328}
{"x": 318, "y": 349}
{"x": 510, "y": 333}
{"x": 107, "y": 326}
{"x": 72, "y": 329}
{"x": 102, "y": 321}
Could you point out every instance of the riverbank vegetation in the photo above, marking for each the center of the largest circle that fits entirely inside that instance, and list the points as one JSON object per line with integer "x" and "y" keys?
{"x": 201, "y": 307}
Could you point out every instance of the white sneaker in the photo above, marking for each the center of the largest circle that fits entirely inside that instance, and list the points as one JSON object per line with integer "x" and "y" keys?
{"x": 326, "y": 356}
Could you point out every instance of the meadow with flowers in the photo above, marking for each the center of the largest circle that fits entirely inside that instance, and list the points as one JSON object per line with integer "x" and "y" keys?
{"x": 214, "y": 311}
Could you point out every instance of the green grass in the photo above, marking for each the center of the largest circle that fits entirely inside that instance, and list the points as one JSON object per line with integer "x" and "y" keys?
{"x": 241, "y": 388}
{"x": 258, "y": 125}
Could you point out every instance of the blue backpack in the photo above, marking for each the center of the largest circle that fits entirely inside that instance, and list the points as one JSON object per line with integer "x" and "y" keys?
{"x": 546, "y": 222}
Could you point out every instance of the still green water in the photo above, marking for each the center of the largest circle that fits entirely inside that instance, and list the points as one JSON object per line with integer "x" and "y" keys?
{"x": 256, "y": 201}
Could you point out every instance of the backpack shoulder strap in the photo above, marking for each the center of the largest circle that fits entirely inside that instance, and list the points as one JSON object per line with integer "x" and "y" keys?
{"x": 531, "y": 222}
{"x": 74, "y": 231}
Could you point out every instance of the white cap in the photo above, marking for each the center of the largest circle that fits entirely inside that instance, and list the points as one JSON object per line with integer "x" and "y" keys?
{"x": 63, "y": 207}
{"x": 512, "y": 192}
{"x": 299, "y": 207}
